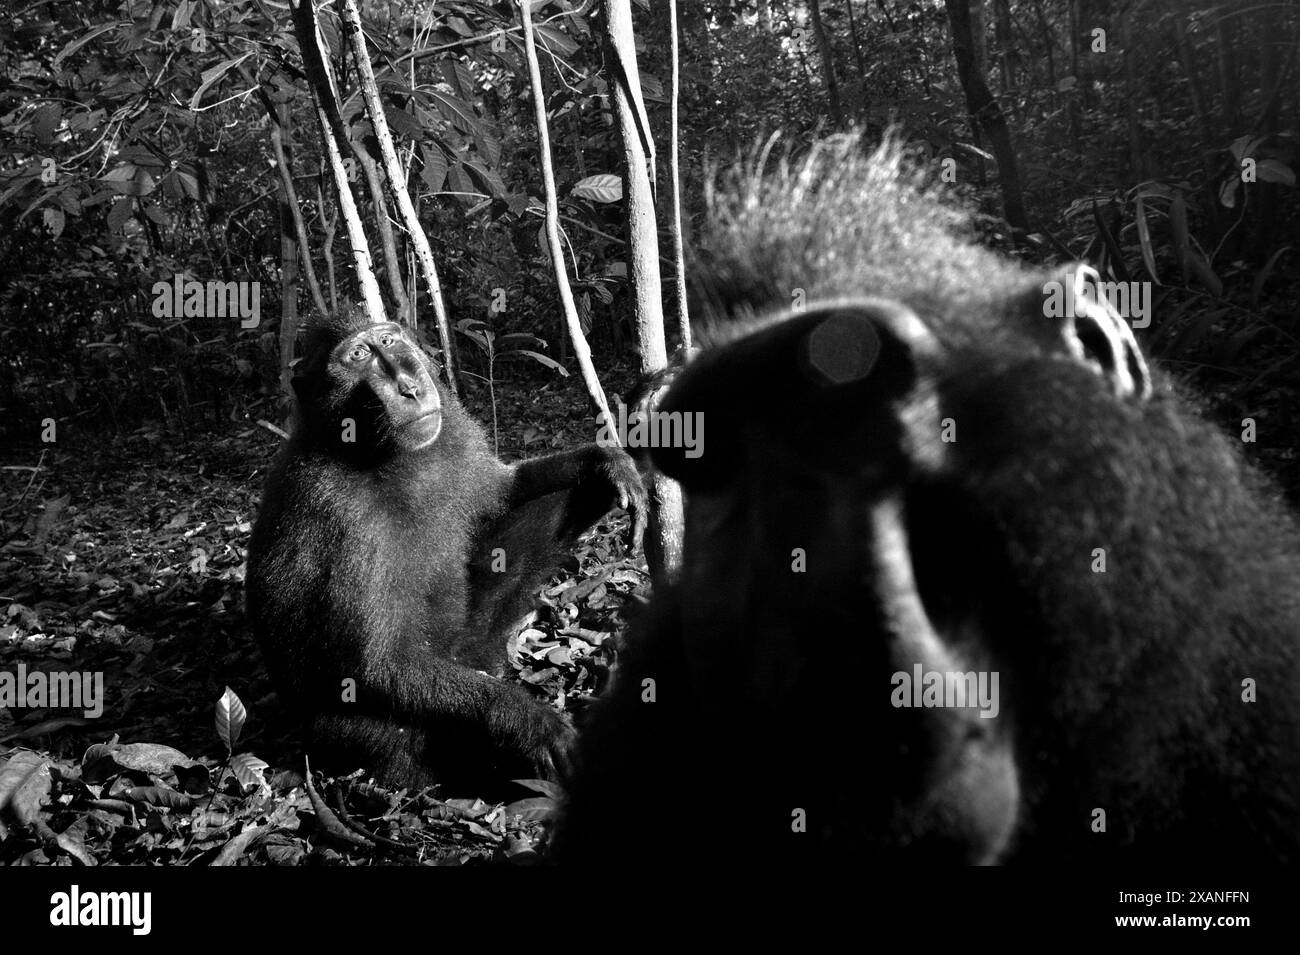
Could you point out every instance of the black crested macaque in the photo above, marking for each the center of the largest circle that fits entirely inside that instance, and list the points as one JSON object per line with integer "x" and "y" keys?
{"x": 393, "y": 551}
{"x": 963, "y": 582}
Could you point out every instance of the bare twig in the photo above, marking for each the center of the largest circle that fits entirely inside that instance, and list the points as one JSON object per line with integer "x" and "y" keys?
{"x": 35, "y": 471}
{"x": 278, "y": 432}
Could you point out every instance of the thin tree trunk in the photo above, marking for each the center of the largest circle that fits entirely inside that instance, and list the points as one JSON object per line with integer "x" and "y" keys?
{"x": 335, "y": 140}
{"x": 674, "y": 173}
{"x": 798, "y": 45}
{"x": 1072, "y": 109}
{"x": 664, "y": 536}
{"x": 1273, "y": 73}
{"x": 1049, "y": 45}
{"x": 387, "y": 241}
{"x": 979, "y": 58}
{"x": 1087, "y": 23}
{"x": 857, "y": 43}
{"x": 1002, "y": 36}
{"x": 581, "y": 350}
{"x": 985, "y": 113}
{"x": 1132, "y": 96}
{"x": 280, "y": 119}
{"x": 288, "y": 288}
{"x": 1229, "y": 82}
{"x": 1185, "y": 54}
{"x": 1270, "y": 68}
{"x": 828, "y": 62}
{"x": 351, "y": 20}
{"x": 329, "y": 225}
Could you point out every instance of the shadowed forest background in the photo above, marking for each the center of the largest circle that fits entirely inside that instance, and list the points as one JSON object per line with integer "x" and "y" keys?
{"x": 145, "y": 140}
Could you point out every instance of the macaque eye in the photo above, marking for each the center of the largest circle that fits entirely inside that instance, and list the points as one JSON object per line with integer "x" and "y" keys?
{"x": 359, "y": 352}
{"x": 386, "y": 340}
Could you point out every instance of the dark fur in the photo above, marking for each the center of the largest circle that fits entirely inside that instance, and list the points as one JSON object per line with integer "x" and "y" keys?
{"x": 373, "y": 563}
{"x": 1120, "y": 690}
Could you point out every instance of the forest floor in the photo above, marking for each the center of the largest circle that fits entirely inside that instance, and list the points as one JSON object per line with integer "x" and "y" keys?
{"x": 124, "y": 557}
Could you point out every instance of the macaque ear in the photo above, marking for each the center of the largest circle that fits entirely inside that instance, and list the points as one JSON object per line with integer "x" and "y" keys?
{"x": 1072, "y": 314}
{"x": 816, "y": 388}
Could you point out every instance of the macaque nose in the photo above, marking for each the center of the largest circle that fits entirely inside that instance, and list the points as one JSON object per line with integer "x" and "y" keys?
{"x": 408, "y": 386}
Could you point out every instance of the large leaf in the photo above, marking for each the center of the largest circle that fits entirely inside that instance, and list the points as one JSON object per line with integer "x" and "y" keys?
{"x": 1204, "y": 273}
{"x": 189, "y": 184}
{"x": 458, "y": 181}
{"x": 546, "y": 360}
{"x": 534, "y": 809}
{"x": 129, "y": 180}
{"x": 488, "y": 180}
{"x": 45, "y": 121}
{"x": 403, "y": 123}
{"x": 54, "y": 220}
{"x": 85, "y": 38}
{"x": 1244, "y": 146}
{"x": 213, "y": 75}
{"x": 434, "y": 169}
{"x": 456, "y": 75}
{"x": 489, "y": 148}
{"x": 604, "y": 187}
{"x": 1274, "y": 170}
{"x": 555, "y": 42}
{"x": 120, "y": 213}
{"x": 459, "y": 113}
{"x": 248, "y": 769}
{"x": 1144, "y": 239}
{"x": 230, "y": 717}
{"x": 1257, "y": 286}
{"x": 1228, "y": 192}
